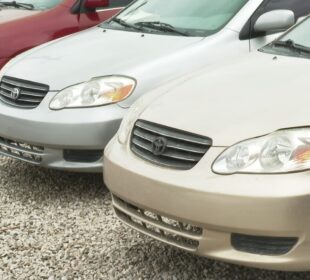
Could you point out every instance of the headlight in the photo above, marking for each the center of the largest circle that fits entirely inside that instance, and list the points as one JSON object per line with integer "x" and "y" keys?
{"x": 283, "y": 151}
{"x": 96, "y": 92}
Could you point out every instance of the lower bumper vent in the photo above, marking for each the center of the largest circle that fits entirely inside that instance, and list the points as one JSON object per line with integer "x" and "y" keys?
{"x": 175, "y": 233}
{"x": 22, "y": 151}
{"x": 85, "y": 156}
{"x": 259, "y": 245}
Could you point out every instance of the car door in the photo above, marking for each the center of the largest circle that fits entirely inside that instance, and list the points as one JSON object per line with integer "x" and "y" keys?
{"x": 88, "y": 19}
{"x": 300, "y": 8}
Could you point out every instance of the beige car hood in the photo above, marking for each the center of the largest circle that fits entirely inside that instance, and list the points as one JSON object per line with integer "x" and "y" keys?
{"x": 12, "y": 14}
{"x": 248, "y": 97}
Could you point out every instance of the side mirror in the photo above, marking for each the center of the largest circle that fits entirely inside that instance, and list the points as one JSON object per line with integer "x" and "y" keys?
{"x": 277, "y": 20}
{"x": 94, "y": 4}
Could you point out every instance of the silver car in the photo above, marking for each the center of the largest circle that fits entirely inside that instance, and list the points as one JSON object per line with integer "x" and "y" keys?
{"x": 62, "y": 102}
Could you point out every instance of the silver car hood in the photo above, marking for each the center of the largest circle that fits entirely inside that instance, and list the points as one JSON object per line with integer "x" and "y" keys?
{"x": 92, "y": 53}
{"x": 248, "y": 97}
{"x": 12, "y": 14}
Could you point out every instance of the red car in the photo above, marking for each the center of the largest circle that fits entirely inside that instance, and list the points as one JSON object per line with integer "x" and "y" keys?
{"x": 63, "y": 17}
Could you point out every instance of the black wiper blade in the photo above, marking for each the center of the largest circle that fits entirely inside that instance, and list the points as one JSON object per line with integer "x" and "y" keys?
{"x": 17, "y": 5}
{"x": 125, "y": 24}
{"x": 291, "y": 45}
{"x": 162, "y": 26}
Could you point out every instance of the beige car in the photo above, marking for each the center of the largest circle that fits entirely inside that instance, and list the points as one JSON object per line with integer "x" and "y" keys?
{"x": 217, "y": 164}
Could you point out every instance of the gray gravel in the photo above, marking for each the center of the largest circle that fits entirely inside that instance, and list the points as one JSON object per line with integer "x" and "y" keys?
{"x": 56, "y": 225}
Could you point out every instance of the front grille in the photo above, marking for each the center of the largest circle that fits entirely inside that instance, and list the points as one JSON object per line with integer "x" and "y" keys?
{"x": 261, "y": 245}
{"x": 22, "y": 94}
{"x": 167, "y": 146}
{"x": 175, "y": 233}
{"x": 22, "y": 151}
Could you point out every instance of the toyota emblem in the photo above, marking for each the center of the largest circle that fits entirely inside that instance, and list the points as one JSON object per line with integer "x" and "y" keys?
{"x": 159, "y": 146}
{"x": 15, "y": 93}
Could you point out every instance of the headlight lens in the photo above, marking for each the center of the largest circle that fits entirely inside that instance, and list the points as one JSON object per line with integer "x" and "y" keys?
{"x": 280, "y": 152}
{"x": 96, "y": 92}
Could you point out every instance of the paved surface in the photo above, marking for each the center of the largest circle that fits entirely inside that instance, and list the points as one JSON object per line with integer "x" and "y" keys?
{"x": 56, "y": 225}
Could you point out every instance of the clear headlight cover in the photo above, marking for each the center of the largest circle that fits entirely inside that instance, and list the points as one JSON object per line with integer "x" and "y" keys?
{"x": 284, "y": 151}
{"x": 96, "y": 92}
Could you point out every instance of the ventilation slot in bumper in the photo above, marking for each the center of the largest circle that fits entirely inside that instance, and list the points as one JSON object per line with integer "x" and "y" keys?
{"x": 85, "y": 156}
{"x": 260, "y": 245}
{"x": 22, "y": 151}
{"x": 175, "y": 233}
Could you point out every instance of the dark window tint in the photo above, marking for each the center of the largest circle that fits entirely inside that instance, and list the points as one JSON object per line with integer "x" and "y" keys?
{"x": 79, "y": 6}
{"x": 299, "y": 7}
{"x": 119, "y": 3}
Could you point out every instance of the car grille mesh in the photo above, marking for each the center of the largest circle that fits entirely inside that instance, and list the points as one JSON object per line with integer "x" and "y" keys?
{"x": 183, "y": 150}
{"x": 29, "y": 94}
{"x": 176, "y": 233}
{"x": 22, "y": 151}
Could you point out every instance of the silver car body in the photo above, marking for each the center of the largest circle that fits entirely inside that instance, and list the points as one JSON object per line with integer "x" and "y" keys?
{"x": 151, "y": 59}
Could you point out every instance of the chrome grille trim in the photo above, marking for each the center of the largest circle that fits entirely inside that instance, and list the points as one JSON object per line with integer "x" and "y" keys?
{"x": 175, "y": 233}
{"x": 172, "y": 144}
{"x": 30, "y": 96}
{"x": 171, "y": 133}
{"x": 25, "y": 92}
{"x": 183, "y": 149}
{"x": 16, "y": 105}
{"x": 21, "y": 151}
{"x": 23, "y": 84}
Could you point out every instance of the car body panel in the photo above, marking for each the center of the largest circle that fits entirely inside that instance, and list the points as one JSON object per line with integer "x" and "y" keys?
{"x": 240, "y": 100}
{"x": 261, "y": 205}
{"x": 102, "y": 53}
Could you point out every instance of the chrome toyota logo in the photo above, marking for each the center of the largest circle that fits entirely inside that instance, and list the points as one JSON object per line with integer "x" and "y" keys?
{"x": 15, "y": 93}
{"x": 159, "y": 146}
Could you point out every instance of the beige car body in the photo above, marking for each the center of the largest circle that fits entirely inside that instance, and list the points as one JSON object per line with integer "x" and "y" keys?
{"x": 229, "y": 103}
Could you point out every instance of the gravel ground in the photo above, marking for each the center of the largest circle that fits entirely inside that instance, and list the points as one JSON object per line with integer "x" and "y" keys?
{"x": 56, "y": 225}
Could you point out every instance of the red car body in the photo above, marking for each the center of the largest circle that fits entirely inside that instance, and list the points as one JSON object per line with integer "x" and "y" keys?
{"x": 68, "y": 17}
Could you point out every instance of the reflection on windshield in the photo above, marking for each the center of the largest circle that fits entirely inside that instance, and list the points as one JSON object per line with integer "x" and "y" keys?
{"x": 294, "y": 43}
{"x": 37, "y": 4}
{"x": 194, "y": 17}
{"x": 300, "y": 34}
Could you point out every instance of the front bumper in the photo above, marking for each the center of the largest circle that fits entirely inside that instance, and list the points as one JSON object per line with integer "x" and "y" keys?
{"x": 275, "y": 206}
{"x": 47, "y": 135}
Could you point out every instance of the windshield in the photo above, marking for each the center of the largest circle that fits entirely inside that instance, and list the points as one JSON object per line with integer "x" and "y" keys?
{"x": 36, "y": 4}
{"x": 294, "y": 43}
{"x": 300, "y": 34}
{"x": 195, "y": 17}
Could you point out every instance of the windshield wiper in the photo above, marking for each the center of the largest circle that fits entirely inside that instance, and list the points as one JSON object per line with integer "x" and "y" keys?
{"x": 291, "y": 45}
{"x": 161, "y": 26}
{"x": 125, "y": 24}
{"x": 17, "y": 5}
